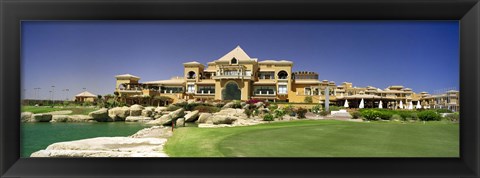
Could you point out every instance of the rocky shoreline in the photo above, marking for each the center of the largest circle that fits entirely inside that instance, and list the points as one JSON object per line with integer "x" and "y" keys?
{"x": 147, "y": 142}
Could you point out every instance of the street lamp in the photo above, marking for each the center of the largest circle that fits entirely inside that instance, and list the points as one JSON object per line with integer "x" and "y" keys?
{"x": 66, "y": 97}
{"x": 53, "y": 93}
{"x": 51, "y": 96}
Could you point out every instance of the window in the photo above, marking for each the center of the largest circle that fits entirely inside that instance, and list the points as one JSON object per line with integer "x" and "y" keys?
{"x": 248, "y": 73}
{"x": 234, "y": 61}
{"x": 282, "y": 89}
{"x": 191, "y": 75}
{"x": 307, "y": 91}
{"x": 282, "y": 75}
{"x": 190, "y": 88}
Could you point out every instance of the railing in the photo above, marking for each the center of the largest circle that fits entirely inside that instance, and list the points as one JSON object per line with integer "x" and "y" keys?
{"x": 170, "y": 91}
{"x": 206, "y": 92}
{"x": 241, "y": 76}
{"x": 267, "y": 92}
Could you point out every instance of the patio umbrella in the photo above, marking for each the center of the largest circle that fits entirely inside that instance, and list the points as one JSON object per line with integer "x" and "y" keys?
{"x": 346, "y": 104}
{"x": 361, "y": 104}
{"x": 380, "y": 105}
{"x": 418, "y": 105}
{"x": 401, "y": 104}
{"x": 410, "y": 105}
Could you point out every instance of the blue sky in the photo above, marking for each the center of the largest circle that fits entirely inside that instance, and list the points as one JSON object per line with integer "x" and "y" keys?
{"x": 422, "y": 55}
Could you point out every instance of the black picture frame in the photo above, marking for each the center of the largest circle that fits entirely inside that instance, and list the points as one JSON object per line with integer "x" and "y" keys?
{"x": 14, "y": 11}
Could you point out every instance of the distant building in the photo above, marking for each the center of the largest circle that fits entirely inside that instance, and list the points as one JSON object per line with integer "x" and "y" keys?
{"x": 85, "y": 97}
{"x": 237, "y": 76}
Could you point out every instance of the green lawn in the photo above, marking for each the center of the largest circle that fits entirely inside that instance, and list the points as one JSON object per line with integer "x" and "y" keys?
{"x": 44, "y": 109}
{"x": 318, "y": 138}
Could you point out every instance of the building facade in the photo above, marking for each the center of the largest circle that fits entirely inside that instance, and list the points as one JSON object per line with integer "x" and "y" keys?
{"x": 237, "y": 76}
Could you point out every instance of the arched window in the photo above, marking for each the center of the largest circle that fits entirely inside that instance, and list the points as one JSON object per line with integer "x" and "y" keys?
{"x": 282, "y": 75}
{"x": 191, "y": 75}
{"x": 233, "y": 61}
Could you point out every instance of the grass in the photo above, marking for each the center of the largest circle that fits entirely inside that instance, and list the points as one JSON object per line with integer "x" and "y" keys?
{"x": 319, "y": 138}
{"x": 45, "y": 109}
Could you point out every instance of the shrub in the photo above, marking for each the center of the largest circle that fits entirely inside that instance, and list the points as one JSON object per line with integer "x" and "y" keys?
{"x": 279, "y": 113}
{"x": 324, "y": 113}
{"x": 268, "y": 117}
{"x": 308, "y": 99}
{"x": 335, "y": 108}
{"x": 87, "y": 103}
{"x": 272, "y": 107}
{"x": 205, "y": 108}
{"x": 405, "y": 114}
{"x": 301, "y": 112}
{"x": 172, "y": 108}
{"x": 429, "y": 115}
{"x": 317, "y": 108}
{"x": 453, "y": 117}
{"x": 237, "y": 104}
{"x": 252, "y": 101}
{"x": 356, "y": 115}
{"x": 443, "y": 111}
{"x": 370, "y": 114}
{"x": 414, "y": 116}
{"x": 396, "y": 117}
{"x": 191, "y": 106}
{"x": 248, "y": 112}
{"x": 181, "y": 104}
{"x": 289, "y": 110}
{"x": 255, "y": 112}
{"x": 384, "y": 114}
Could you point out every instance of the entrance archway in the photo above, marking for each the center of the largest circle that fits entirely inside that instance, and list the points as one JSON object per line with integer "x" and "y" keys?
{"x": 231, "y": 91}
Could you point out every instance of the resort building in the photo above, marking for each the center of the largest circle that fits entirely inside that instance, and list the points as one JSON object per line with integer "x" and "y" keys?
{"x": 237, "y": 76}
{"x": 85, "y": 97}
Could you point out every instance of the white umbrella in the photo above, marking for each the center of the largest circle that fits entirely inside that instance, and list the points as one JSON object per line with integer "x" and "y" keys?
{"x": 346, "y": 104}
{"x": 361, "y": 104}
{"x": 410, "y": 105}
{"x": 401, "y": 104}
{"x": 418, "y": 105}
{"x": 380, "y": 105}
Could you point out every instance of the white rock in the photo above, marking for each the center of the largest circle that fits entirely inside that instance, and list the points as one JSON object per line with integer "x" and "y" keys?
{"x": 100, "y": 115}
{"x": 106, "y": 147}
{"x": 138, "y": 119}
{"x": 41, "y": 118}
{"x": 25, "y": 116}
{"x": 155, "y": 131}
{"x": 180, "y": 122}
{"x": 147, "y": 113}
{"x": 204, "y": 117}
{"x": 192, "y": 116}
{"x": 59, "y": 118}
{"x": 80, "y": 118}
{"x": 160, "y": 109}
{"x": 136, "y": 110}
{"x": 119, "y": 113}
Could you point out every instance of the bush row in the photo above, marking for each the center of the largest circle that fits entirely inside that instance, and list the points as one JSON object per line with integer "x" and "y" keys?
{"x": 384, "y": 114}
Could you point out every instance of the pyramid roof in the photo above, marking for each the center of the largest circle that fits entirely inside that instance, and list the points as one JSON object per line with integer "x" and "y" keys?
{"x": 85, "y": 94}
{"x": 237, "y": 53}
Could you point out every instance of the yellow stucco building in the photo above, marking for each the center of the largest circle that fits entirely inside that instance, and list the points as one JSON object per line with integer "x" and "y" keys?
{"x": 237, "y": 76}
